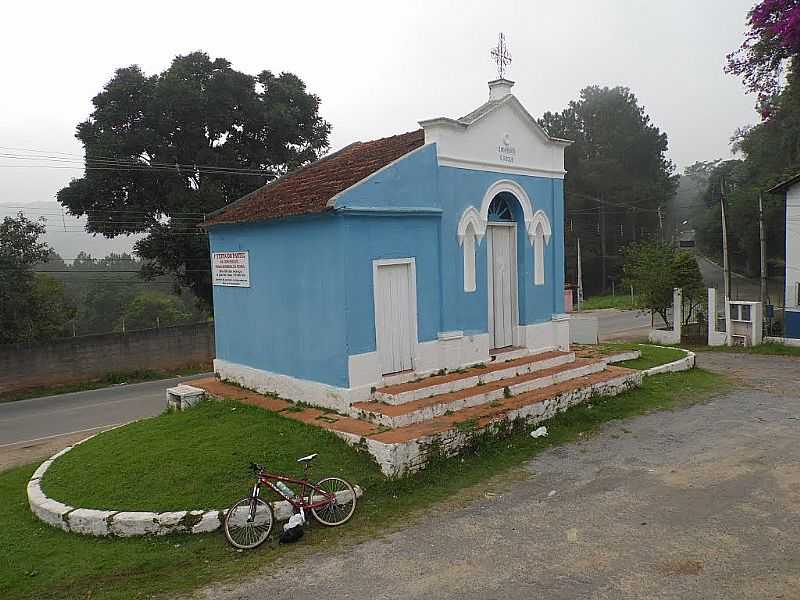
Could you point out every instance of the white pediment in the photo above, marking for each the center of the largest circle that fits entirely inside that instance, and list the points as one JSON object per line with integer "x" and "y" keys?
{"x": 499, "y": 136}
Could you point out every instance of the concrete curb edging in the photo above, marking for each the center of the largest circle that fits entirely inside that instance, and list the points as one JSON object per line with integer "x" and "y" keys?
{"x": 622, "y": 356}
{"x": 89, "y": 521}
{"x": 682, "y": 364}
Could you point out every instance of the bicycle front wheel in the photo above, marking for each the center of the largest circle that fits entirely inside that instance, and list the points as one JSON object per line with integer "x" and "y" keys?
{"x": 341, "y": 508}
{"x": 248, "y": 523}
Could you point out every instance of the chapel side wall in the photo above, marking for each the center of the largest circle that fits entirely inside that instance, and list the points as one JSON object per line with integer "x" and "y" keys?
{"x": 372, "y": 237}
{"x": 468, "y": 311}
{"x": 291, "y": 318}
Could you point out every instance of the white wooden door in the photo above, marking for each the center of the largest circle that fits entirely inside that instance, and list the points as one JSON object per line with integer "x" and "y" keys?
{"x": 393, "y": 317}
{"x": 503, "y": 284}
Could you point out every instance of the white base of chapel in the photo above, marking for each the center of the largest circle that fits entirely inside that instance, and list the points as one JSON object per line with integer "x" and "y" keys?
{"x": 451, "y": 351}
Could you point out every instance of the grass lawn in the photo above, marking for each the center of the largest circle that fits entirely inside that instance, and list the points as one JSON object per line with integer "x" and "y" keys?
{"x": 107, "y": 380}
{"x": 652, "y": 356}
{"x": 199, "y": 459}
{"x": 620, "y": 301}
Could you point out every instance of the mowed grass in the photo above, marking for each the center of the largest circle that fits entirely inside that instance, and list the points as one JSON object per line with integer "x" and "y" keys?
{"x": 196, "y": 459}
{"x": 653, "y": 356}
{"x": 620, "y": 301}
{"x": 199, "y": 459}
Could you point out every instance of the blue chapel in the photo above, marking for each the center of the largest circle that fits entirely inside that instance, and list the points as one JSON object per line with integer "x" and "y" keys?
{"x": 394, "y": 259}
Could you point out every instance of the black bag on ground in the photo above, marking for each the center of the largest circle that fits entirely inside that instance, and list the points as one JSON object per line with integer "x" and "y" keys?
{"x": 291, "y": 535}
{"x": 293, "y": 530}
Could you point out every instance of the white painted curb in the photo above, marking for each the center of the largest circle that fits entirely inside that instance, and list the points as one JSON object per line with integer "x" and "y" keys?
{"x": 89, "y": 521}
{"x": 682, "y": 364}
{"x": 622, "y": 356}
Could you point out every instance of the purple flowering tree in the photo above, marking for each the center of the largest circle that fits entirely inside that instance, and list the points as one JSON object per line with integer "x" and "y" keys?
{"x": 772, "y": 41}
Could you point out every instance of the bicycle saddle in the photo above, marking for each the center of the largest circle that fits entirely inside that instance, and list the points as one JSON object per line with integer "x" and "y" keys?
{"x": 308, "y": 458}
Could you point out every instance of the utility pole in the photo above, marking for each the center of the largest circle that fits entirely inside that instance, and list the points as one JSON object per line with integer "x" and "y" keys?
{"x": 763, "y": 239}
{"x": 726, "y": 270}
{"x": 603, "y": 245}
{"x": 661, "y": 224}
{"x": 580, "y": 277}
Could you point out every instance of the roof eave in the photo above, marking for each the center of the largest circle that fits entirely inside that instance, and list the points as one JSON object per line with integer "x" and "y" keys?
{"x": 784, "y": 185}
{"x": 446, "y": 121}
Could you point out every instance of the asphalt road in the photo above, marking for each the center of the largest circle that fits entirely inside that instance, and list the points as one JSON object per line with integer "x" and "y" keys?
{"x": 631, "y": 325}
{"x": 742, "y": 288}
{"x": 698, "y": 503}
{"x": 614, "y": 324}
{"x": 40, "y": 419}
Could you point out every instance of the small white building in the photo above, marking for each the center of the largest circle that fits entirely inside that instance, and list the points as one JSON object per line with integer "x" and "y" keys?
{"x": 791, "y": 187}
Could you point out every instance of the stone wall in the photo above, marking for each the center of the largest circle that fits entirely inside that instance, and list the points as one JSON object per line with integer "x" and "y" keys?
{"x": 80, "y": 358}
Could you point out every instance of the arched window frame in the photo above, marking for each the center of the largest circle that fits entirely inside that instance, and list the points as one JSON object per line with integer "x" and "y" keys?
{"x": 471, "y": 229}
{"x": 540, "y": 232}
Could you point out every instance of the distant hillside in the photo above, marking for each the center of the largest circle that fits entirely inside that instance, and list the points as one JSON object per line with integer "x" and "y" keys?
{"x": 66, "y": 234}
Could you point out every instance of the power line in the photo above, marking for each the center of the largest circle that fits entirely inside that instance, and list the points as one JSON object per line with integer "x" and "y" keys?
{"x": 82, "y": 272}
{"x": 607, "y": 203}
{"x": 93, "y": 210}
{"x": 134, "y": 162}
{"x": 143, "y": 169}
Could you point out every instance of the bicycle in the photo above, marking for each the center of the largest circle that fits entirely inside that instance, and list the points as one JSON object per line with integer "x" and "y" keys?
{"x": 249, "y": 521}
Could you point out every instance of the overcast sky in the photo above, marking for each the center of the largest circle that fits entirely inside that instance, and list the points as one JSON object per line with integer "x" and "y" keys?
{"x": 379, "y": 67}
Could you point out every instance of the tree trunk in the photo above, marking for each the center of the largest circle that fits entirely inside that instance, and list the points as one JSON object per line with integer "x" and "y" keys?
{"x": 603, "y": 246}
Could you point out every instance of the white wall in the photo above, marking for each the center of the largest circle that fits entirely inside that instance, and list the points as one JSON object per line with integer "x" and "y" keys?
{"x": 792, "y": 245}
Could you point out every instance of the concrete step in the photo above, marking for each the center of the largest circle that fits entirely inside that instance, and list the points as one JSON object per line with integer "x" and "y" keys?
{"x": 425, "y": 409}
{"x": 407, "y": 449}
{"x": 471, "y": 377}
{"x": 509, "y": 353}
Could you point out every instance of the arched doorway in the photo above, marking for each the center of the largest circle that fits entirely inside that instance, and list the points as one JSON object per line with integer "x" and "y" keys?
{"x": 501, "y": 234}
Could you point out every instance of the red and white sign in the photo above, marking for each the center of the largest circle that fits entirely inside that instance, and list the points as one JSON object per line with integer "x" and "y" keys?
{"x": 230, "y": 269}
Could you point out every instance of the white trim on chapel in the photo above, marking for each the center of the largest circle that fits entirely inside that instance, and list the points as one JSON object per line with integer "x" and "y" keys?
{"x": 473, "y": 223}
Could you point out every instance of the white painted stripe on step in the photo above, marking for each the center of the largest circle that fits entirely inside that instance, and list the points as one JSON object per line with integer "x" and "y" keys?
{"x": 468, "y": 382}
{"x": 485, "y": 397}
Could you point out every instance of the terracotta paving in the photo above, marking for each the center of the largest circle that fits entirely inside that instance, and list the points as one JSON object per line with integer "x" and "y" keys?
{"x": 310, "y": 416}
{"x": 394, "y": 410}
{"x": 481, "y": 415}
{"x": 217, "y": 388}
{"x": 471, "y": 372}
{"x": 333, "y": 421}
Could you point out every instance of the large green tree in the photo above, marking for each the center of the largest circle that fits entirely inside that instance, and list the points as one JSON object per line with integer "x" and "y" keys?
{"x": 153, "y": 309}
{"x": 32, "y": 305}
{"x": 618, "y": 177}
{"x": 163, "y": 150}
{"x": 654, "y": 269}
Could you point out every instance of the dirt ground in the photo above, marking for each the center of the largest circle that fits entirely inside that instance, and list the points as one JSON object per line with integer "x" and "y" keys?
{"x": 26, "y": 453}
{"x": 701, "y": 503}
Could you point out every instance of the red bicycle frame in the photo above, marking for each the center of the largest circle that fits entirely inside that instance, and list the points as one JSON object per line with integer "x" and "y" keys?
{"x": 298, "y": 501}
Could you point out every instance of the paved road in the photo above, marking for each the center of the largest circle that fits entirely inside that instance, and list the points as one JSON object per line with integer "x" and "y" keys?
{"x": 30, "y": 427}
{"x": 700, "y": 503}
{"x": 742, "y": 288}
{"x": 614, "y": 324}
{"x": 630, "y": 325}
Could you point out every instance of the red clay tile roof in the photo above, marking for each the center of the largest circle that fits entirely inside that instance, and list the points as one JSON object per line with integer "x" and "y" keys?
{"x": 308, "y": 189}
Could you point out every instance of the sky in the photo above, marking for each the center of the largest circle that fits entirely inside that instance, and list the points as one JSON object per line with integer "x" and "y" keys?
{"x": 378, "y": 67}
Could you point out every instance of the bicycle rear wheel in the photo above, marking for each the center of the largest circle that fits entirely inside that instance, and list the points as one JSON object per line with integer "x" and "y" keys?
{"x": 338, "y": 511}
{"x": 248, "y": 523}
